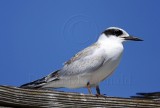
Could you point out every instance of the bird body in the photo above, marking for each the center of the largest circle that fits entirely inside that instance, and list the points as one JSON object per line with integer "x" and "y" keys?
{"x": 106, "y": 58}
{"x": 90, "y": 66}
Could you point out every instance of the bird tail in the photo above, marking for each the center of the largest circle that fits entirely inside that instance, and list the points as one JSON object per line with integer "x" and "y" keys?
{"x": 40, "y": 82}
{"x": 34, "y": 84}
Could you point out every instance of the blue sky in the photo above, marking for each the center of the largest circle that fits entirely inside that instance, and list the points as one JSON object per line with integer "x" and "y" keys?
{"x": 38, "y": 36}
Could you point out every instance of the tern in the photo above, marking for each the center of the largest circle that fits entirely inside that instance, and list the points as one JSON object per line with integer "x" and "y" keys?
{"x": 91, "y": 65}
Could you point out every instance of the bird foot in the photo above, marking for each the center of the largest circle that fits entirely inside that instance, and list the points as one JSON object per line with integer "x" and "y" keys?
{"x": 100, "y": 95}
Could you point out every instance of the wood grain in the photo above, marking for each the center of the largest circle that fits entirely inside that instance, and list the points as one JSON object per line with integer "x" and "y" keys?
{"x": 11, "y": 97}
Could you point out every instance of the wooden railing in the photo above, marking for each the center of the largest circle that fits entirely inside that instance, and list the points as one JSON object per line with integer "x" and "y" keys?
{"x": 13, "y": 97}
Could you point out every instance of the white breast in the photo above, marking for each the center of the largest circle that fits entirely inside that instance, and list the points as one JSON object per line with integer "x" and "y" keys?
{"x": 113, "y": 53}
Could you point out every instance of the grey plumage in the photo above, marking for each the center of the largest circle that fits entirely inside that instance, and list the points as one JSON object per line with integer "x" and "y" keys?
{"x": 76, "y": 66}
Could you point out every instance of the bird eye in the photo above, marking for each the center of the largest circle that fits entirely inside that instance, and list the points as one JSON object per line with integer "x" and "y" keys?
{"x": 118, "y": 32}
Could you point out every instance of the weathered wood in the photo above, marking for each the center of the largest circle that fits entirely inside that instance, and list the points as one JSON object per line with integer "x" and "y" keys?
{"x": 18, "y": 97}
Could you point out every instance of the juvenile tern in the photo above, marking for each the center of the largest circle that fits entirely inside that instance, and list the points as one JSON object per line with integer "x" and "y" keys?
{"x": 91, "y": 65}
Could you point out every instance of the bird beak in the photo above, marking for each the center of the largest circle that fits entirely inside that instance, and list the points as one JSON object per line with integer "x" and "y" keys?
{"x": 132, "y": 38}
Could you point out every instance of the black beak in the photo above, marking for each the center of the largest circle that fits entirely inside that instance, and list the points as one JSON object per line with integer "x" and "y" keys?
{"x": 132, "y": 38}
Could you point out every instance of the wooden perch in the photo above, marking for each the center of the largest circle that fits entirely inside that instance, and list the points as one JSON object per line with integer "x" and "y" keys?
{"x": 16, "y": 97}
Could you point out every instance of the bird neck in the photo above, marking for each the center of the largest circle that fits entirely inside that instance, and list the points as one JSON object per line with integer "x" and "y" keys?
{"x": 111, "y": 45}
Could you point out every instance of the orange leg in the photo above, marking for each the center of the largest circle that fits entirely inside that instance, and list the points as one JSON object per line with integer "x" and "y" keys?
{"x": 89, "y": 88}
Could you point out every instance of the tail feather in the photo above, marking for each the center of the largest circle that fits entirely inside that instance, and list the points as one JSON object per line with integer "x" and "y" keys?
{"x": 40, "y": 82}
{"x": 34, "y": 84}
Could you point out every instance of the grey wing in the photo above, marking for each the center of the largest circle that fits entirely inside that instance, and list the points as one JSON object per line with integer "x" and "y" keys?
{"x": 88, "y": 60}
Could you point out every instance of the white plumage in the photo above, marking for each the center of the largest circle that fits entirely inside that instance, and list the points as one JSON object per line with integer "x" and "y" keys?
{"x": 91, "y": 65}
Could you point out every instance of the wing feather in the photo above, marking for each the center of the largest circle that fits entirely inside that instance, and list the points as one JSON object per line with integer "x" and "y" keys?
{"x": 87, "y": 60}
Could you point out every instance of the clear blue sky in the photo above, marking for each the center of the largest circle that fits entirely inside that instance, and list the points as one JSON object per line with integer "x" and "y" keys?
{"x": 38, "y": 36}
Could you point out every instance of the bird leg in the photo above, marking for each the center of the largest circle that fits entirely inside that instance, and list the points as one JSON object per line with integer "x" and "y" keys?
{"x": 98, "y": 92}
{"x": 89, "y": 88}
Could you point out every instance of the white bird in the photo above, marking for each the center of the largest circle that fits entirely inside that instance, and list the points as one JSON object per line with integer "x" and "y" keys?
{"x": 90, "y": 66}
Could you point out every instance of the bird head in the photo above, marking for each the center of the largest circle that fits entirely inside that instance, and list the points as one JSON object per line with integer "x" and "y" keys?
{"x": 119, "y": 34}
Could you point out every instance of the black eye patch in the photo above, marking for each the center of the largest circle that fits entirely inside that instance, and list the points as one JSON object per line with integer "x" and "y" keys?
{"x": 116, "y": 32}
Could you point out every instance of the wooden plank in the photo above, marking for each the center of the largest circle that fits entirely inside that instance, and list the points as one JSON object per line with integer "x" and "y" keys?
{"x": 18, "y": 97}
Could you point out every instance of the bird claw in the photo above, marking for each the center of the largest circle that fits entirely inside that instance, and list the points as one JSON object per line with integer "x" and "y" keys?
{"x": 100, "y": 95}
